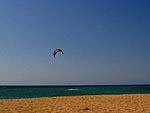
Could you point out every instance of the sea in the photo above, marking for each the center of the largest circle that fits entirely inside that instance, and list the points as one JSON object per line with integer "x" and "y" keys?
{"x": 16, "y": 92}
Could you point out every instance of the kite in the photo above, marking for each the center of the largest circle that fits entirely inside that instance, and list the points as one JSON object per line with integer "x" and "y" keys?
{"x": 56, "y": 51}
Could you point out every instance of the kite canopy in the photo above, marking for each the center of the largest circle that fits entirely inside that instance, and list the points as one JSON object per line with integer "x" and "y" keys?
{"x": 56, "y": 51}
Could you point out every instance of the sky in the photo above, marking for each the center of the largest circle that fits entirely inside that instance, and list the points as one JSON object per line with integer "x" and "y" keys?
{"x": 105, "y": 42}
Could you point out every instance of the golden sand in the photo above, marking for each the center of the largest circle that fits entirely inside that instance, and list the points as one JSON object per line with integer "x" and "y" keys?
{"x": 79, "y": 104}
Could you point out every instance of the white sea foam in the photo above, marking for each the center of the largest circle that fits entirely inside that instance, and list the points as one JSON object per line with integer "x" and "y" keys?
{"x": 73, "y": 89}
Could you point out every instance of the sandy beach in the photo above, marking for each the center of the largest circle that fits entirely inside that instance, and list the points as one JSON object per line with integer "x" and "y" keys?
{"x": 137, "y": 103}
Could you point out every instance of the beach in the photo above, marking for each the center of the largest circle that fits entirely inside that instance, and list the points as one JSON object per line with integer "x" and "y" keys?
{"x": 130, "y": 103}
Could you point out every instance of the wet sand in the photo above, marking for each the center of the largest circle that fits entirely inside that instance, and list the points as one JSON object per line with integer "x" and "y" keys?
{"x": 137, "y": 103}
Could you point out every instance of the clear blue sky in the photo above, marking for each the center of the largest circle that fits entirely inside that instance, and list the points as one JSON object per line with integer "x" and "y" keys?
{"x": 104, "y": 41}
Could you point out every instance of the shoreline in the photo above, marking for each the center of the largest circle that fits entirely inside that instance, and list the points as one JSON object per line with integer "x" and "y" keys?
{"x": 122, "y": 103}
{"x": 72, "y": 96}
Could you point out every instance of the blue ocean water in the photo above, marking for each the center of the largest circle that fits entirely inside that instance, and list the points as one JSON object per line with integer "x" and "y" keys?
{"x": 13, "y": 92}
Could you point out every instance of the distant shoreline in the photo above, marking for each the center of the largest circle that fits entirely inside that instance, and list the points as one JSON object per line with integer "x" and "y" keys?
{"x": 20, "y": 85}
{"x": 73, "y": 96}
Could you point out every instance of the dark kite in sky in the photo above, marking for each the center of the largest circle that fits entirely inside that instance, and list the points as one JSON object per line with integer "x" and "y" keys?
{"x": 56, "y": 51}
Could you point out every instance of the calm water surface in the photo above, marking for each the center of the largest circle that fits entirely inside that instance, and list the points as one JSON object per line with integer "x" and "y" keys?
{"x": 12, "y": 92}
